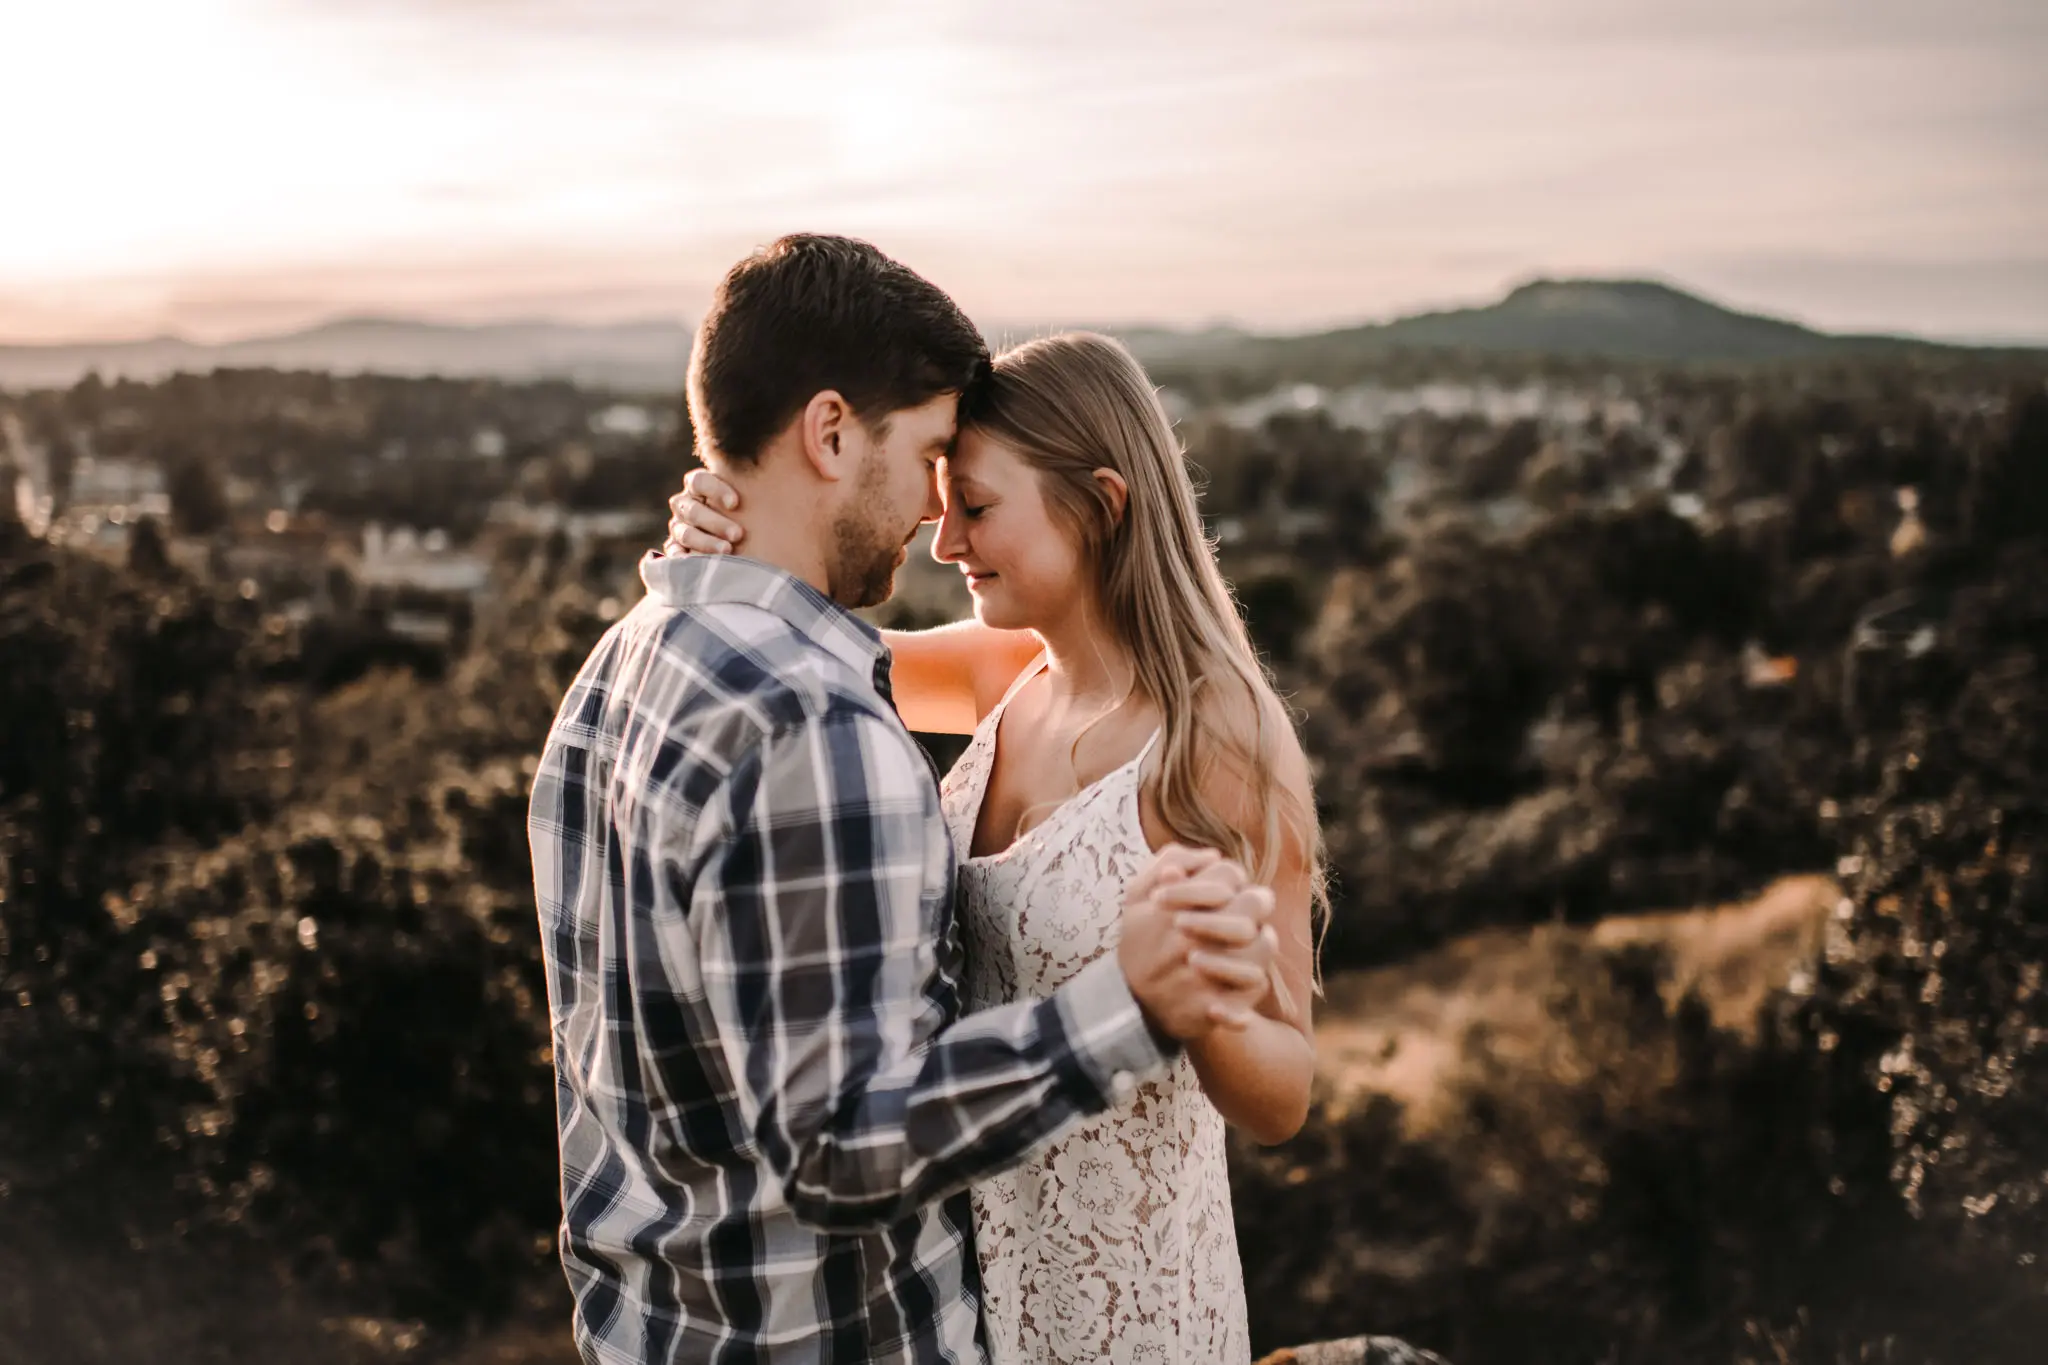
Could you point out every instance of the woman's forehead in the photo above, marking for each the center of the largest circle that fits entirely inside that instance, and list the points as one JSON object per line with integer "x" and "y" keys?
{"x": 980, "y": 456}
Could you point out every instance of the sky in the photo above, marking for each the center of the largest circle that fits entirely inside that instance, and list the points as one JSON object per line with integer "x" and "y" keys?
{"x": 218, "y": 168}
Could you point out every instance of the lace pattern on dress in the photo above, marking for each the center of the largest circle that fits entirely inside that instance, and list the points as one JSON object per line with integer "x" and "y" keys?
{"x": 1114, "y": 1242}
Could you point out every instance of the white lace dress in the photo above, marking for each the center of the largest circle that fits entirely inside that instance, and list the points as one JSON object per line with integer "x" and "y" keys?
{"x": 1114, "y": 1243}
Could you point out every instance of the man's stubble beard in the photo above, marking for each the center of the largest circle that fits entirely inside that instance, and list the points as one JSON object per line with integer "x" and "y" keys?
{"x": 864, "y": 544}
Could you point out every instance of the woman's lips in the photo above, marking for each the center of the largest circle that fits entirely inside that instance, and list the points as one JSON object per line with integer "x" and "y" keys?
{"x": 975, "y": 580}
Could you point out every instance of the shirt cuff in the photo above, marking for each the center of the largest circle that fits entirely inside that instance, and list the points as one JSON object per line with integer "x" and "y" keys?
{"x": 1112, "y": 1043}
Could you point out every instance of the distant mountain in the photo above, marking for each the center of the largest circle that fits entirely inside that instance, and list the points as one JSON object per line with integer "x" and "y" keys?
{"x": 644, "y": 355}
{"x": 1632, "y": 319}
{"x": 1639, "y": 320}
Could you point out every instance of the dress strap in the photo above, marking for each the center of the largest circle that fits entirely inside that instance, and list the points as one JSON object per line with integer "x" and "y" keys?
{"x": 1150, "y": 745}
{"x": 1031, "y": 670}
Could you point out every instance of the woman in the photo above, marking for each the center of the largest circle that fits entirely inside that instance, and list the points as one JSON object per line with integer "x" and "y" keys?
{"x": 1115, "y": 704}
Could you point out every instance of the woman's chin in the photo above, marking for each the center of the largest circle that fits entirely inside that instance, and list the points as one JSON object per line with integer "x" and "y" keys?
{"x": 992, "y": 615}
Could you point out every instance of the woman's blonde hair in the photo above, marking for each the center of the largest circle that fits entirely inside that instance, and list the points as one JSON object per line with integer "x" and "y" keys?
{"x": 1077, "y": 402}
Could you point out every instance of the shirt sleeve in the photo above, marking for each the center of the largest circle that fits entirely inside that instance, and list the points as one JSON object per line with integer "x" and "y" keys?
{"x": 817, "y": 924}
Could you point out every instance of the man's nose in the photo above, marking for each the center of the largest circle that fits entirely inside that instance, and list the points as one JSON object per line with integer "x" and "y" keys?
{"x": 934, "y": 505}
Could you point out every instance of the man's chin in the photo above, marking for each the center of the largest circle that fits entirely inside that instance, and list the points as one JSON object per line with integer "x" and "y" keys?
{"x": 874, "y": 591}
{"x": 882, "y": 587}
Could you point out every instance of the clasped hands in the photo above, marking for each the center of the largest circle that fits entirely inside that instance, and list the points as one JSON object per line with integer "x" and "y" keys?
{"x": 1197, "y": 949}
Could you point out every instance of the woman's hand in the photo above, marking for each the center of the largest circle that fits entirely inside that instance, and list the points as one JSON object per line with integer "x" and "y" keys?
{"x": 696, "y": 523}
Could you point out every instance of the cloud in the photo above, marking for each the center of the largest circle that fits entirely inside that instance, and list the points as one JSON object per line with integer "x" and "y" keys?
{"x": 1280, "y": 162}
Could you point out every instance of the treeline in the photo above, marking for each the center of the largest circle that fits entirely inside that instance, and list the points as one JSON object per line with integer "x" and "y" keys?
{"x": 361, "y": 447}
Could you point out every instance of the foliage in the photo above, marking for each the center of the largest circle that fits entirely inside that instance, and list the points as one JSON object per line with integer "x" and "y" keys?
{"x": 1945, "y": 952}
{"x": 279, "y": 946}
{"x": 1710, "y": 1199}
{"x": 267, "y": 941}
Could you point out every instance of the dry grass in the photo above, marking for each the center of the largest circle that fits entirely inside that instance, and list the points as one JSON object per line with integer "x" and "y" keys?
{"x": 1401, "y": 1031}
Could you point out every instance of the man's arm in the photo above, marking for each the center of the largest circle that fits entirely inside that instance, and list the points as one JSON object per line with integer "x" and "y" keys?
{"x": 814, "y": 938}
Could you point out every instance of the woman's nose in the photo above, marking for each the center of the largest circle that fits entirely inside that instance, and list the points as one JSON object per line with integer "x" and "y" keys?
{"x": 951, "y": 541}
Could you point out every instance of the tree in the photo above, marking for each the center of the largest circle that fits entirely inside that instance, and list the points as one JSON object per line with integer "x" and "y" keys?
{"x": 1943, "y": 954}
{"x": 147, "y": 555}
{"x": 2007, "y": 492}
{"x": 199, "y": 500}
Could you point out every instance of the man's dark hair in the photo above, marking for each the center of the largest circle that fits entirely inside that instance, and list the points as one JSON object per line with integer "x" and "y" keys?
{"x": 807, "y": 313}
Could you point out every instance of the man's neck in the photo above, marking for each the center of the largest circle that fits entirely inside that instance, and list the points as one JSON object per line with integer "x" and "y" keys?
{"x": 782, "y": 527}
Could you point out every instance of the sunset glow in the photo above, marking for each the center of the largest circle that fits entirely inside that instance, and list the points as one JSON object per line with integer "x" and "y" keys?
{"x": 217, "y": 167}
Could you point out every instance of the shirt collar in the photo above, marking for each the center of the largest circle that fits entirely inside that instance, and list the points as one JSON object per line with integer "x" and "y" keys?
{"x": 702, "y": 580}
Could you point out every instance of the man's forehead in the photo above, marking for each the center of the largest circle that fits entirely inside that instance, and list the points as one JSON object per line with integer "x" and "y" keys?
{"x": 938, "y": 420}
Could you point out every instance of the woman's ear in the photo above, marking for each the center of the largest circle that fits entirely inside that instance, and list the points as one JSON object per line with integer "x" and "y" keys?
{"x": 1115, "y": 492}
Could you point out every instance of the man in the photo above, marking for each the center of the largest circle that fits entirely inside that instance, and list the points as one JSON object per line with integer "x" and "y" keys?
{"x": 769, "y": 1105}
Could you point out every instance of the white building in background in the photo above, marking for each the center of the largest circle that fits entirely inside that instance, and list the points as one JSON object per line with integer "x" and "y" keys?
{"x": 107, "y": 499}
{"x": 419, "y": 586}
{"x": 1372, "y": 406}
{"x": 402, "y": 560}
{"x": 436, "y": 628}
{"x": 119, "y": 490}
{"x": 1288, "y": 399}
{"x": 605, "y": 523}
{"x": 623, "y": 419}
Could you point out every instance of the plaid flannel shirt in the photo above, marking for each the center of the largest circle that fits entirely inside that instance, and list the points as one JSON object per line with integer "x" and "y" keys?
{"x": 769, "y": 1106}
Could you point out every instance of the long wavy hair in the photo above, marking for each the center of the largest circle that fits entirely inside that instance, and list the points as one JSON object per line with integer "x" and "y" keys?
{"x": 1077, "y": 402}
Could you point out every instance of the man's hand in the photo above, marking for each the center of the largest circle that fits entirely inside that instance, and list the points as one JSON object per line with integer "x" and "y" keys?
{"x": 1196, "y": 948}
{"x": 697, "y": 524}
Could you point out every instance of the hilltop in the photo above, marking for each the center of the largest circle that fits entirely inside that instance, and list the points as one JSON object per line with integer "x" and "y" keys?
{"x": 1623, "y": 320}
{"x": 1632, "y": 319}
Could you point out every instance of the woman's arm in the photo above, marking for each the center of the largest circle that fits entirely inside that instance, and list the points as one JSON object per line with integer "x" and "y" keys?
{"x": 945, "y": 679}
{"x": 1258, "y": 1076}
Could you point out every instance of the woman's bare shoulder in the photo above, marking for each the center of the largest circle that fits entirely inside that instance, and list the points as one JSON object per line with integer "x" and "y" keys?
{"x": 1244, "y": 724}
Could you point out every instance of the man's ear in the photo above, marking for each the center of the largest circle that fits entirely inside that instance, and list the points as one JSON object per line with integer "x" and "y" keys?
{"x": 824, "y": 427}
{"x": 1115, "y": 492}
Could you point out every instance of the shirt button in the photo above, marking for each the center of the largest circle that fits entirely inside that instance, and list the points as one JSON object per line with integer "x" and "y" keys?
{"x": 1122, "y": 1086}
